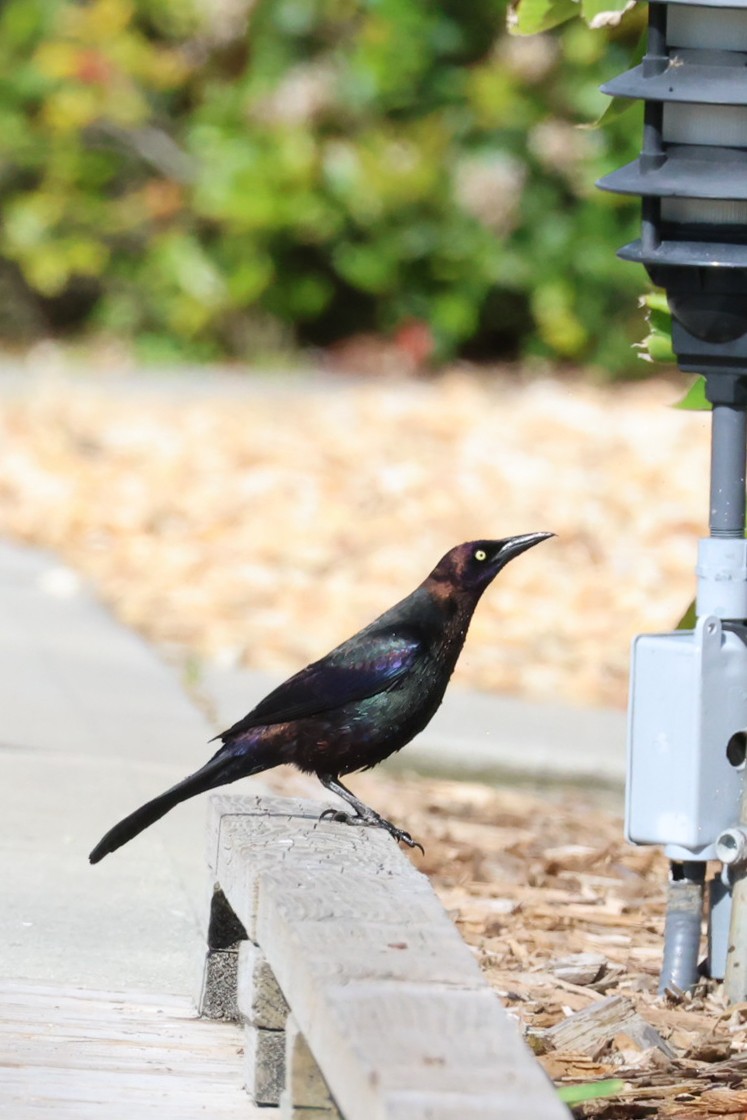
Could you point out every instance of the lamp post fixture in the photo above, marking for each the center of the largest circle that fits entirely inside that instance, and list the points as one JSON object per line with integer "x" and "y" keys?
{"x": 687, "y": 730}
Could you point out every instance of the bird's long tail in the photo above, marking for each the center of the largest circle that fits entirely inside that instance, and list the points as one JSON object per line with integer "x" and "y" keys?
{"x": 219, "y": 771}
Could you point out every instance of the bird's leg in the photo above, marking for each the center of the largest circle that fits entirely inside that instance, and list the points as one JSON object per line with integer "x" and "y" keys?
{"x": 364, "y": 814}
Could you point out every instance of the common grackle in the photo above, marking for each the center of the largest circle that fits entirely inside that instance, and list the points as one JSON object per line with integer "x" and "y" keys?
{"x": 359, "y": 704}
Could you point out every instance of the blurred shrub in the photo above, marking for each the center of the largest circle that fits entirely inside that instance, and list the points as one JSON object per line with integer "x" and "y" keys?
{"x": 207, "y": 179}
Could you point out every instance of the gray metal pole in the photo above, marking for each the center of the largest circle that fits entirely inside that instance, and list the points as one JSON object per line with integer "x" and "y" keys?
{"x": 728, "y": 453}
{"x": 722, "y": 564}
{"x": 728, "y": 459}
{"x": 735, "y": 973}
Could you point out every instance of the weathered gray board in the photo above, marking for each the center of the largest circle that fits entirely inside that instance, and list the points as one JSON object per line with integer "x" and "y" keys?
{"x": 387, "y": 995}
{"x": 73, "y": 1054}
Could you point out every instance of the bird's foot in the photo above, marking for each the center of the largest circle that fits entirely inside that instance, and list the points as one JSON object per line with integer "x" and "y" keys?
{"x": 401, "y": 836}
{"x": 372, "y": 821}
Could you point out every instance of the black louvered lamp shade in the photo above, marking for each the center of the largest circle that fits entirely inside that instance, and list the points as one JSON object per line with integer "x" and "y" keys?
{"x": 692, "y": 179}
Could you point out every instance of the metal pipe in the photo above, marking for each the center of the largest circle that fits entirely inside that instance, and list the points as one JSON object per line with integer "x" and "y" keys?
{"x": 679, "y": 970}
{"x": 719, "y": 919}
{"x": 728, "y": 468}
{"x": 735, "y": 975}
{"x": 655, "y": 60}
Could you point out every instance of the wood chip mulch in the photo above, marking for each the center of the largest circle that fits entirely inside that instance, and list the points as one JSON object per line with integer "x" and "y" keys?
{"x": 263, "y": 523}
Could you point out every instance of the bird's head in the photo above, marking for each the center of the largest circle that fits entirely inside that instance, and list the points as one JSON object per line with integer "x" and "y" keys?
{"x": 472, "y": 566}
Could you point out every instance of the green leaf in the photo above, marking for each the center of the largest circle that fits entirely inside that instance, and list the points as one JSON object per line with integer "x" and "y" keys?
{"x": 454, "y": 315}
{"x": 249, "y": 278}
{"x": 688, "y": 620}
{"x": 657, "y": 345}
{"x": 591, "y": 1091}
{"x": 620, "y": 105}
{"x": 604, "y": 13}
{"x": 656, "y": 301}
{"x": 528, "y": 17}
{"x": 187, "y": 265}
{"x": 695, "y": 399}
{"x": 615, "y": 109}
{"x": 367, "y": 267}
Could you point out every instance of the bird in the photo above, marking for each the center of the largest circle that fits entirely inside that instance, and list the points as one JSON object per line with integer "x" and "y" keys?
{"x": 360, "y": 703}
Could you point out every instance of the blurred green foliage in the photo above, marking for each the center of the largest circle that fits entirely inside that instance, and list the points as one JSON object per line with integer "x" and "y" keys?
{"x": 206, "y": 179}
{"x": 657, "y": 345}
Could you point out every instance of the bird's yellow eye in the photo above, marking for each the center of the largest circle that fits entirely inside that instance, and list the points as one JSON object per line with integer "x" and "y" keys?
{"x": 481, "y": 554}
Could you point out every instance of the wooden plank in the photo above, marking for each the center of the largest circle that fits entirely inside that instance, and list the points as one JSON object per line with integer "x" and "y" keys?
{"x": 387, "y": 995}
{"x": 264, "y": 1064}
{"x": 258, "y": 998}
{"x": 305, "y": 1085}
{"x": 290, "y": 1111}
{"x": 74, "y": 1054}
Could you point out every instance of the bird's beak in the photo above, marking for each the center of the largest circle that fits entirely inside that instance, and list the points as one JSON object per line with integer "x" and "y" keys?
{"x": 514, "y": 546}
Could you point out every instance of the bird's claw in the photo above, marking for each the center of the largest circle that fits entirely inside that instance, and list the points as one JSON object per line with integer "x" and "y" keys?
{"x": 335, "y": 815}
{"x": 403, "y": 837}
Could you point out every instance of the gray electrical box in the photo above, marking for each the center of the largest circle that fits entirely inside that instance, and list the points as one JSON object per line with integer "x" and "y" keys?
{"x": 688, "y": 706}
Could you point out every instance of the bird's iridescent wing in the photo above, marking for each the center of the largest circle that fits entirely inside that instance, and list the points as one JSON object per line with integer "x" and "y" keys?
{"x": 353, "y": 671}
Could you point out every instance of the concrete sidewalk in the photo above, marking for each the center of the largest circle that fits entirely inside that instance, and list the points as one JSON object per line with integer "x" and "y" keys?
{"x": 94, "y": 723}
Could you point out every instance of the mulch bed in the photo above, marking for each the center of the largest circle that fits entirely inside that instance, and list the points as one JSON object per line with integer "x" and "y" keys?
{"x": 263, "y": 524}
